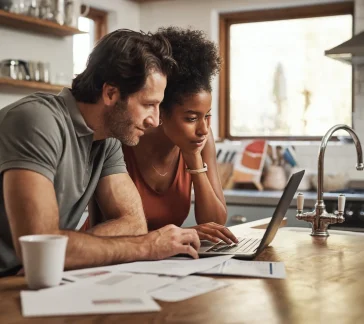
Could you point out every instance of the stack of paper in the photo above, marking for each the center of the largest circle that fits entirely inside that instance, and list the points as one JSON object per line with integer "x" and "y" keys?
{"x": 131, "y": 287}
{"x": 169, "y": 267}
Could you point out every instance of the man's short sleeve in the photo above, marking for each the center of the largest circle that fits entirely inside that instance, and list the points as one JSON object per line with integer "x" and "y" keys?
{"x": 114, "y": 159}
{"x": 30, "y": 138}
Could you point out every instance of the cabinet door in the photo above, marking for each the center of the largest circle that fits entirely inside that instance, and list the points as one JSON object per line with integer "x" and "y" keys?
{"x": 190, "y": 220}
{"x": 239, "y": 214}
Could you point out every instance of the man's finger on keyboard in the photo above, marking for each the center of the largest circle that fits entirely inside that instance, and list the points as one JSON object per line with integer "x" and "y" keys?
{"x": 191, "y": 236}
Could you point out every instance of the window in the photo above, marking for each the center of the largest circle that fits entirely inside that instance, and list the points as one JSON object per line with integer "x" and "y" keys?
{"x": 94, "y": 23}
{"x": 276, "y": 81}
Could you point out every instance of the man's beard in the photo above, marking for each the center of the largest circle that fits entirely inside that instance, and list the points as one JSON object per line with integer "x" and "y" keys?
{"x": 120, "y": 124}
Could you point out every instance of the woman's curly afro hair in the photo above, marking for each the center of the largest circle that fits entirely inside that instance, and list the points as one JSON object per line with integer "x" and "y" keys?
{"x": 198, "y": 62}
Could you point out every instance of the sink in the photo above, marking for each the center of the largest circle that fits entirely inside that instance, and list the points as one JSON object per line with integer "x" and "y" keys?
{"x": 308, "y": 230}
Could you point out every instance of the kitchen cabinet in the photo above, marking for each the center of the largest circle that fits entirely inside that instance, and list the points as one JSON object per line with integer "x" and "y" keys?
{"x": 238, "y": 214}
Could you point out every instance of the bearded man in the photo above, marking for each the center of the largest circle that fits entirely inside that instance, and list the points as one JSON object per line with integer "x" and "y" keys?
{"x": 59, "y": 151}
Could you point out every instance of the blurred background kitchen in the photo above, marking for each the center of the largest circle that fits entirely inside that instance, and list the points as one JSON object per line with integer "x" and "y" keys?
{"x": 277, "y": 94}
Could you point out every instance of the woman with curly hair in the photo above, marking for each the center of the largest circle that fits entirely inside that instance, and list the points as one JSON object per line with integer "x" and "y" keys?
{"x": 181, "y": 152}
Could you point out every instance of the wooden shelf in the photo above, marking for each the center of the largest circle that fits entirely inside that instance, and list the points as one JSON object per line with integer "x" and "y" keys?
{"x": 36, "y": 25}
{"x": 33, "y": 85}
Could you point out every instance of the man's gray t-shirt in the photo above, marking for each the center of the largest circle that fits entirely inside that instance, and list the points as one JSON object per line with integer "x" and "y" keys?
{"x": 47, "y": 134}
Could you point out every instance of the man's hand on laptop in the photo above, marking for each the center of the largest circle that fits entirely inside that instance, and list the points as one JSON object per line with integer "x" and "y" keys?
{"x": 215, "y": 233}
{"x": 171, "y": 240}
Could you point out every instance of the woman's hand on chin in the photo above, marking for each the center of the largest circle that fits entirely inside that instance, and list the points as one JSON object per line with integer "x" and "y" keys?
{"x": 215, "y": 233}
{"x": 193, "y": 160}
{"x": 192, "y": 148}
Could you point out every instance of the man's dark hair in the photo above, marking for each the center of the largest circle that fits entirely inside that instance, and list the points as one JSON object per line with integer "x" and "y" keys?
{"x": 198, "y": 62}
{"x": 124, "y": 59}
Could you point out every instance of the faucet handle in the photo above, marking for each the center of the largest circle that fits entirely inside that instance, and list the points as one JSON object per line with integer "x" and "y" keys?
{"x": 341, "y": 204}
{"x": 300, "y": 201}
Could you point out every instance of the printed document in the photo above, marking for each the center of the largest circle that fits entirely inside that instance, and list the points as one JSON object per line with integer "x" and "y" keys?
{"x": 174, "y": 266}
{"x": 122, "y": 281}
{"x": 260, "y": 269}
{"x": 187, "y": 287}
{"x": 75, "y": 275}
{"x": 88, "y": 300}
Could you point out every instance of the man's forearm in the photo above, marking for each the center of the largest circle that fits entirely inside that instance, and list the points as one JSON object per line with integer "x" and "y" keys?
{"x": 124, "y": 226}
{"x": 86, "y": 250}
{"x": 115, "y": 226}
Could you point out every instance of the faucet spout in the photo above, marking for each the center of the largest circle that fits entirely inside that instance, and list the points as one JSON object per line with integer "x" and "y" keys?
{"x": 325, "y": 139}
{"x": 319, "y": 217}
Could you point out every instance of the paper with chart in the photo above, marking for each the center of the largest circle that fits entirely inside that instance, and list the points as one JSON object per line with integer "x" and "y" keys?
{"x": 119, "y": 281}
{"x": 261, "y": 269}
{"x": 76, "y": 275}
{"x": 88, "y": 300}
{"x": 187, "y": 287}
{"x": 170, "y": 267}
{"x": 174, "y": 266}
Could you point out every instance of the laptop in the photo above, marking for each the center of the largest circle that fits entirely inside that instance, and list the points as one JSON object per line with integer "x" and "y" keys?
{"x": 249, "y": 247}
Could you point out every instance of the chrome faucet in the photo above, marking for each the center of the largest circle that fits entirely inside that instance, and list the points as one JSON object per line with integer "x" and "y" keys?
{"x": 319, "y": 217}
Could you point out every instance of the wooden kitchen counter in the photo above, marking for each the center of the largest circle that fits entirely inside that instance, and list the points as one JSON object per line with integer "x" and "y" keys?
{"x": 324, "y": 284}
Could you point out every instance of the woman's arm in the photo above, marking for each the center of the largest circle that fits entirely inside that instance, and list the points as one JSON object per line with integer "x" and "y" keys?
{"x": 210, "y": 206}
{"x": 210, "y": 203}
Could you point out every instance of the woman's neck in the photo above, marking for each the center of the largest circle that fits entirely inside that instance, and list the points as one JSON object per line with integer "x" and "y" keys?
{"x": 157, "y": 144}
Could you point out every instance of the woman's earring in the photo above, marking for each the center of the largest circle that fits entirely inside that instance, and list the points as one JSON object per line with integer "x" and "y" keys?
{"x": 160, "y": 122}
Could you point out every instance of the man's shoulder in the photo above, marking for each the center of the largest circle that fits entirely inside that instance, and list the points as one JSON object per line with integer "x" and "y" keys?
{"x": 36, "y": 105}
{"x": 41, "y": 111}
{"x": 112, "y": 143}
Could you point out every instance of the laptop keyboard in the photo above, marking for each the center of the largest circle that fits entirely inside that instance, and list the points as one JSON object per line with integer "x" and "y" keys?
{"x": 244, "y": 245}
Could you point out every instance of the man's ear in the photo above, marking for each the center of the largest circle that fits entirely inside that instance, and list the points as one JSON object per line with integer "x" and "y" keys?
{"x": 110, "y": 94}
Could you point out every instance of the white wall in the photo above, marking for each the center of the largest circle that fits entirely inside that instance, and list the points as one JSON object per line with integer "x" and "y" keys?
{"x": 122, "y": 13}
{"x": 20, "y": 44}
{"x": 203, "y": 14}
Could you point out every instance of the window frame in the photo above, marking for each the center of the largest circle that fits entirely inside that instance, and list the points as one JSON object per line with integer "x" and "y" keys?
{"x": 228, "y": 19}
{"x": 100, "y": 19}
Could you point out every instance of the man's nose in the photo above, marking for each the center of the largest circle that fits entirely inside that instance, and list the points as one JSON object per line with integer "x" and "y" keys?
{"x": 153, "y": 119}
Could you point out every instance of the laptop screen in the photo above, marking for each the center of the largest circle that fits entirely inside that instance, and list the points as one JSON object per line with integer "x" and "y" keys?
{"x": 281, "y": 209}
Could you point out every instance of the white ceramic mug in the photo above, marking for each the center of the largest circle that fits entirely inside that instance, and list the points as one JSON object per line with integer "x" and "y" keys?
{"x": 43, "y": 259}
